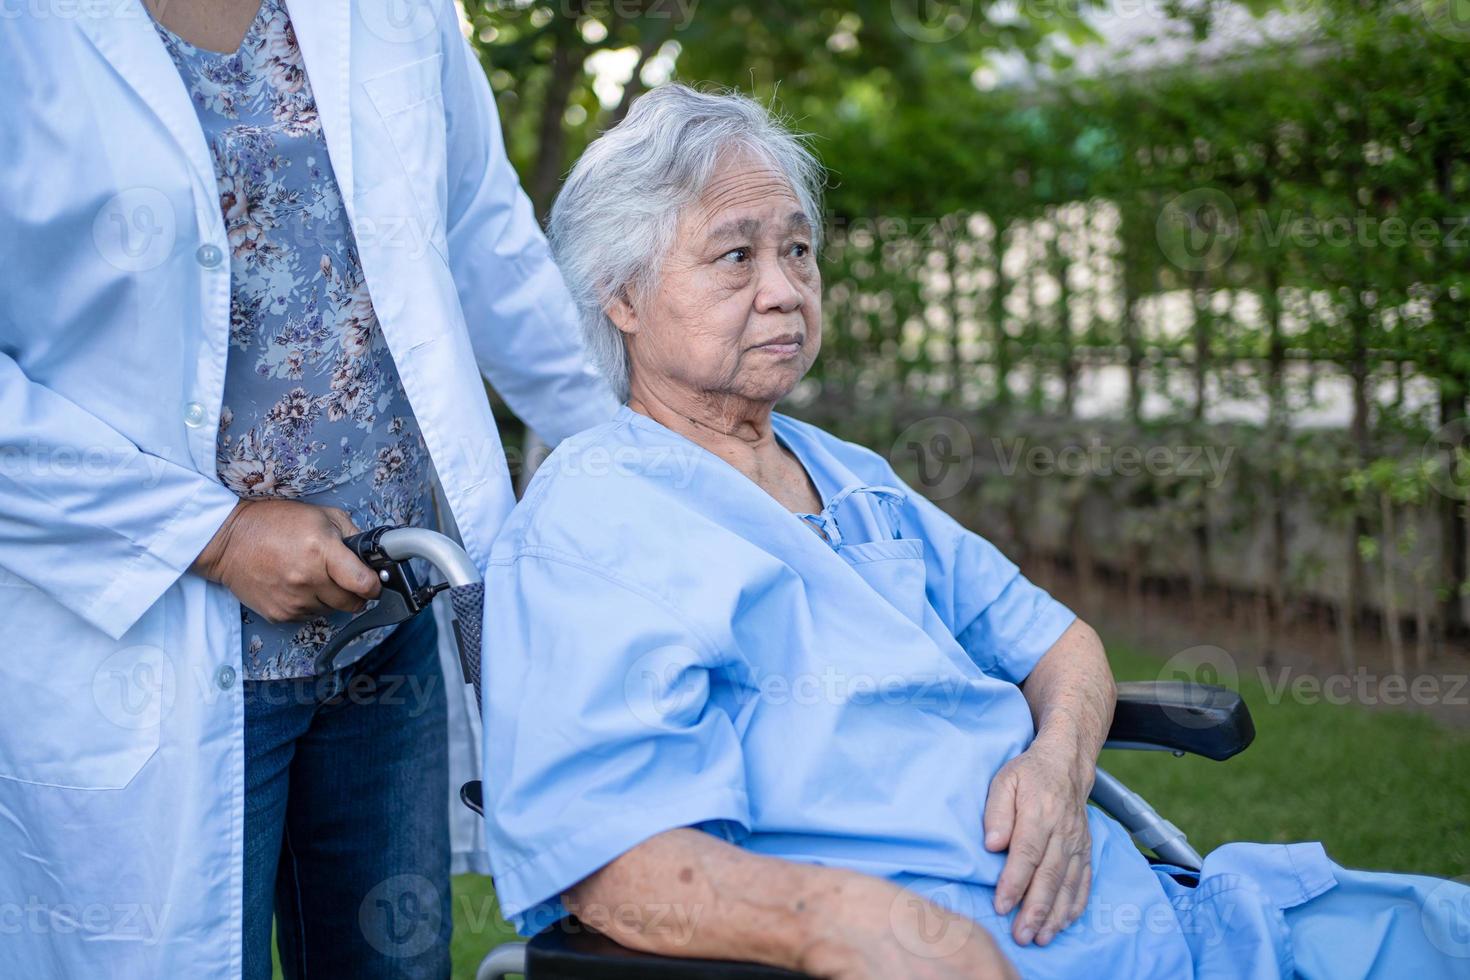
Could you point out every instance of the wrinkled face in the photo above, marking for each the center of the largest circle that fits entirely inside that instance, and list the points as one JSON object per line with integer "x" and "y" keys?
{"x": 736, "y": 315}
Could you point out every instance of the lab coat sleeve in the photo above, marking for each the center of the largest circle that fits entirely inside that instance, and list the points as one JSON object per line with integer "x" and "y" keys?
{"x": 600, "y": 730}
{"x": 86, "y": 516}
{"x": 522, "y": 322}
{"x": 1004, "y": 621}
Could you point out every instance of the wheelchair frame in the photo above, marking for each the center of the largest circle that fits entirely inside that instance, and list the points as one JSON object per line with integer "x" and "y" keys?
{"x": 1170, "y": 716}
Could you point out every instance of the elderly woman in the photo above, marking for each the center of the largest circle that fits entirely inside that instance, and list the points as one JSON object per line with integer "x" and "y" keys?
{"x": 751, "y": 697}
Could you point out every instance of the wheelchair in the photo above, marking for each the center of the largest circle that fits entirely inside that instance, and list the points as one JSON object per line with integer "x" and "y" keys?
{"x": 1177, "y": 717}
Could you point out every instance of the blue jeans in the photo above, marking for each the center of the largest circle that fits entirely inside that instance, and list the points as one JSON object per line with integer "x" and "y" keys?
{"x": 346, "y": 816}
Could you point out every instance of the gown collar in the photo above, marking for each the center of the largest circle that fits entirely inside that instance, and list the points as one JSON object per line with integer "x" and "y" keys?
{"x": 834, "y": 480}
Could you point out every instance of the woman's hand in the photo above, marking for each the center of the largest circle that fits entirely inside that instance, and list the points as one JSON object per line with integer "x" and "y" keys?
{"x": 1037, "y": 807}
{"x": 285, "y": 560}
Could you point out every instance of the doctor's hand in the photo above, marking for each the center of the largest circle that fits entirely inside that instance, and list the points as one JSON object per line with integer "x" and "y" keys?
{"x": 1037, "y": 807}
{"x": 285, "y": 560}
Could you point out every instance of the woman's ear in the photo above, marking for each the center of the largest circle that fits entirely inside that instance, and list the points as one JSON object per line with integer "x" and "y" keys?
{"x": 620, "y": 311}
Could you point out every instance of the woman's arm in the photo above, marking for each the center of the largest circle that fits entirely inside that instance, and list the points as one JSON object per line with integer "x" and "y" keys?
{"x": 87, "y": 517}
{"x": 1037, "y": 807}
{"x": 686, "y": 893}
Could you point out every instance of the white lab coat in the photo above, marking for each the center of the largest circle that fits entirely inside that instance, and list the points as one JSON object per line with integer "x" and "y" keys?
{"x": 121, "y": 795}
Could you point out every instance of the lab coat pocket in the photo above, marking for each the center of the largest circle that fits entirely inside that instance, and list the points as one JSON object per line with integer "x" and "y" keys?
{"x": 83, "y": 711}
{"x": 895, "y": 570}
{"x": 410, "y": 103}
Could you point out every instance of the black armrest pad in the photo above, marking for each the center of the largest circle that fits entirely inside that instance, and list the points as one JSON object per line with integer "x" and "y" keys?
{"x": 1200, "y": 718}
{"x": 571, "y": 951}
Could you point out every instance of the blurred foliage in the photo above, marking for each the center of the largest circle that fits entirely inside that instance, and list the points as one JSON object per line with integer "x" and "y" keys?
{"x": 987, "y": 244}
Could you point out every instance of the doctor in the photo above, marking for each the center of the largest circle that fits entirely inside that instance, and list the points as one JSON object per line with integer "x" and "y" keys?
{"x": 256, "y": 260}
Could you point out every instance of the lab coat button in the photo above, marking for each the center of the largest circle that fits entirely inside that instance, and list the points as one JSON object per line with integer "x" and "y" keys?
{"x": 193, "y": 415}
{"x": 225, "y": 677}
{"x": 209, "y": 256}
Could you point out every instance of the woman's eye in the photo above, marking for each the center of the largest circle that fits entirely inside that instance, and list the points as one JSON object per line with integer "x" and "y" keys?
{"x": 736, "y": 255}
{"x": 801, "y": 250}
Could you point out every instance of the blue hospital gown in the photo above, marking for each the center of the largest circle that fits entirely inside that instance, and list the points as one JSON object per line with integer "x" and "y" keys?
{"x": 668, "y": 646}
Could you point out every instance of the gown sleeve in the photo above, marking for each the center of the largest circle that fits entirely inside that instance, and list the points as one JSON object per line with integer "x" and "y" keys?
{"x": 600, "y": 729}
{"x": 1003, "y": 621}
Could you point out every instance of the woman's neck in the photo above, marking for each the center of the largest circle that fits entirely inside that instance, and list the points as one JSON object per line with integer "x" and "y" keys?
{"x": 731, "y": 427}
{"x": 739, "y": 432}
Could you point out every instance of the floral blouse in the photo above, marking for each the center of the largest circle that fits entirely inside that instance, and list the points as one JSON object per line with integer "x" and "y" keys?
{"x": 313, "y": 406}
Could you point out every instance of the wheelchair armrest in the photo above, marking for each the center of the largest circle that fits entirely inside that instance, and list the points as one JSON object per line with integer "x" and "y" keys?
{"x": 569, "y": 950}
{"x": 1181, "y": 716}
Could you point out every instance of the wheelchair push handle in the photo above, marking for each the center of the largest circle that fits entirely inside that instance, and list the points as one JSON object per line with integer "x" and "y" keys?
{"x": 387, "y": 550}
{"x": 383, "y": 547}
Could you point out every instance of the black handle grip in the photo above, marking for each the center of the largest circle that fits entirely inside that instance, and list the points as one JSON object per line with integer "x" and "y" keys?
{"x": 365, "y": 545}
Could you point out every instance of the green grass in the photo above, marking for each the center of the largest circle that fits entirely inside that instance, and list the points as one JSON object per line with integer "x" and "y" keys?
{"x": 1386, "y": 790}
{"x": 1381, "y": 789}
{"x": 477, "y": 923}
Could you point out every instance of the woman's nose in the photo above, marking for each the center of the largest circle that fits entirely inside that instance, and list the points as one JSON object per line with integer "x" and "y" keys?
{"x": 777, "y": 292}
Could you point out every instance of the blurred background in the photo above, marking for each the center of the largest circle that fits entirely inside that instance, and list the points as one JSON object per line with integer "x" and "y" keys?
{"x": 1168, "y": 298}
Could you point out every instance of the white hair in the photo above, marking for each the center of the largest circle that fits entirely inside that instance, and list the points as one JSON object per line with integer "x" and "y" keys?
{"x": 614, "y": 220}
